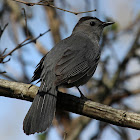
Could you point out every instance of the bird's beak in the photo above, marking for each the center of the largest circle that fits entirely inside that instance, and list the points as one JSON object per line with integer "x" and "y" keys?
{"x": 107, "y": 23}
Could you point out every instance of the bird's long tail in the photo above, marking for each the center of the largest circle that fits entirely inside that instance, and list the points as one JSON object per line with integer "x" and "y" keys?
{"x": 41, "y": 112}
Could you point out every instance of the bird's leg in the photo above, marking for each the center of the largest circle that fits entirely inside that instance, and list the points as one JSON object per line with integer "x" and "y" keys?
{"x": 82, "y": 95}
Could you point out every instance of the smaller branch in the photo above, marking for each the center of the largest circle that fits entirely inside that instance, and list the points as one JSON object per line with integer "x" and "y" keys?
{"x": 18, "y": 46}
{"x": 2, "y": 30}
{"x": 3, "y": 72}
{"x": 3, "y": 51}
{"x": 3, "y": 62}
{"x": 27, "y": 33}
{"x": 5, "y": 75}
{"x": 38, "y": 45}
{"x": 47, "y": 3}
{"x": 130, "y": 76}
{"x": 76, "y": 13}
{"x": 35, "y": 39}
{"x": 25, "y": 42}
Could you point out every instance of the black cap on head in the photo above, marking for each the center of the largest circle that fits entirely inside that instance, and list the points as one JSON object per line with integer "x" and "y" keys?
{"x": 87, "y": 18}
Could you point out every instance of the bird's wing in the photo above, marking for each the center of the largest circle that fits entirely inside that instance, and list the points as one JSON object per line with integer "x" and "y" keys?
{"x": 75, "y": 63}
{"x": 38, "y": 71}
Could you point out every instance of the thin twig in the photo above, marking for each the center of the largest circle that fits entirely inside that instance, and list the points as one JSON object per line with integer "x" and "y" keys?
{"x": 3, "y": 72}
{"x": 35, "y": 39}
{"x": 2, "y": 30}
{"x": 130, "y": 76}
{"x": 22, "y": 44}
{"x": 17, "y": 47}
{"x": 47, "y": 3}
{"x": 3, "y": 51}
{"x": 27, "y": 33}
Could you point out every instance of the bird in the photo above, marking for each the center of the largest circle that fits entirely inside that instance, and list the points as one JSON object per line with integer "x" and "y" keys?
{"x": 70, "y": 63}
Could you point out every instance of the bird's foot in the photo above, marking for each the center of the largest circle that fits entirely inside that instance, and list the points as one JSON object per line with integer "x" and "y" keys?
{"x": 82, "y": 95}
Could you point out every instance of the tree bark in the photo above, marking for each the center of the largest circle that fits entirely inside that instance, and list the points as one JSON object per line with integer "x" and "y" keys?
{"x": 74, "y": 104}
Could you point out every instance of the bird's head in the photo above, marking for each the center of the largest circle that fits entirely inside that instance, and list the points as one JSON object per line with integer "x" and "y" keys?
{"x": 91, "y": 26}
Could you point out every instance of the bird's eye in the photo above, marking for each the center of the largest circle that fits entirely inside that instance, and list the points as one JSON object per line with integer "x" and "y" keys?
{"x": 92, "y": 23}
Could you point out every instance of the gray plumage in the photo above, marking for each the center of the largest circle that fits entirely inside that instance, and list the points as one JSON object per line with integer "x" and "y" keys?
{"x": 71, "y": 62}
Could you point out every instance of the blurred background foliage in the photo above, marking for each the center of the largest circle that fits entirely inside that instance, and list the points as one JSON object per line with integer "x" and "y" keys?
{"x": 115, "y": 83}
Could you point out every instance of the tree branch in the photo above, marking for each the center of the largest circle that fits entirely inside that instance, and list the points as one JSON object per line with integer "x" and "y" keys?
{"x": 47, "y": 3}
{"x": 28, "y": 40}
{"x": 74, "y": 104}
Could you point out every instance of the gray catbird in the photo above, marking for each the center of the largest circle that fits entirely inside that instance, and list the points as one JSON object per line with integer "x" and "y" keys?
{"x": 71, "y": 62}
